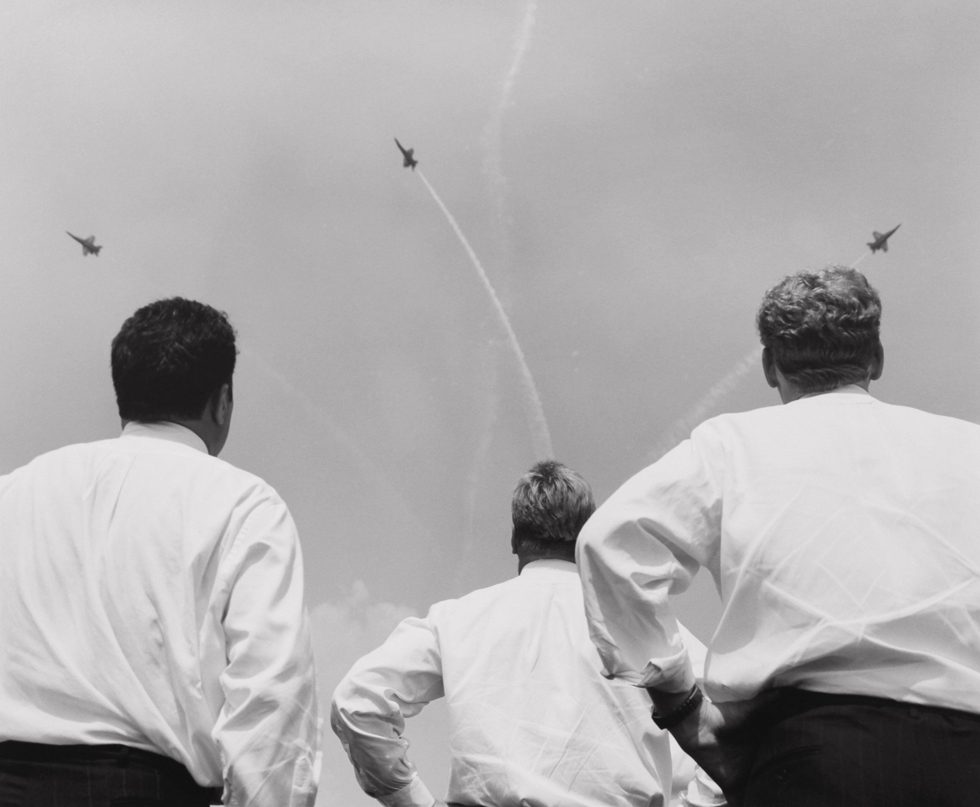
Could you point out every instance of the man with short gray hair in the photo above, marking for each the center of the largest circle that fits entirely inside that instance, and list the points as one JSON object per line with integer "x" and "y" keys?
{"x": 841, "y": 532}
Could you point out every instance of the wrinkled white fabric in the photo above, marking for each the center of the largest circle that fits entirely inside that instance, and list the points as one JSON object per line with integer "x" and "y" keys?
{"x": 843, "y": 534}
{"x": 531, "y": 720}
{"x": 152, "y": 595}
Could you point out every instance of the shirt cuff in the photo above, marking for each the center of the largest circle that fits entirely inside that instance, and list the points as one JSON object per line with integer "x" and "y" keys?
{"x": 671, "y": 674}
{"x": 414, "y": 794}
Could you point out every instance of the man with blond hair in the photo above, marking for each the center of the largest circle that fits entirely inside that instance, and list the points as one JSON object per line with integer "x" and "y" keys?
{"x": 532, "y": 721}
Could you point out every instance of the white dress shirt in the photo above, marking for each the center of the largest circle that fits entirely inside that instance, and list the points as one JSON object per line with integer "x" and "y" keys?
{"x": 843, "y": 535}
{"x": 531, "y": 719}
{"x": 152, "y": 595}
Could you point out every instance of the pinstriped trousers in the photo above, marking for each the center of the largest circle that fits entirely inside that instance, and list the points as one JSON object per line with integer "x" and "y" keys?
{"x": 821, "y": 750}
{"x": 33, "y": 775}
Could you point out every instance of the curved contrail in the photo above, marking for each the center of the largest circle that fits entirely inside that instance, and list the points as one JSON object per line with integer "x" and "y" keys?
{"x": 681, "y": 427}
{"x": 540, "y": 434}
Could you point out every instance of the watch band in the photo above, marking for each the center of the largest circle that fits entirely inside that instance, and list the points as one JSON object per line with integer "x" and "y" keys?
{"x": 671, "y": 718}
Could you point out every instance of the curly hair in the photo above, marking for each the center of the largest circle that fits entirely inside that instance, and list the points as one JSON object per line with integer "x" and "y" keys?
{"x": 170, "y": 358}
{"x": 550, "y": 504}
{"x": 822, "y": 328}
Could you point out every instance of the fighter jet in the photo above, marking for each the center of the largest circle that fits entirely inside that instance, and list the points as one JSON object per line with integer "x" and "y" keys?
{"x": 410, "y": 161}
{"x": 88, "y": 244}
{"x": 881, "y": 241}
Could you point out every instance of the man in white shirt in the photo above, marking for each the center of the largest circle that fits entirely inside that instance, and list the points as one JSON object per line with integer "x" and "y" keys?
{"x": 154, "y": 646}
{"x": 531, "y": 719}
{"x": 841, "y": 533}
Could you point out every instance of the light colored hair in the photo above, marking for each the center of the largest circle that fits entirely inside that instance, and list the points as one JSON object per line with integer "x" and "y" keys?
{"x": 550, "y": 504}
{"x": 822, "y": 328}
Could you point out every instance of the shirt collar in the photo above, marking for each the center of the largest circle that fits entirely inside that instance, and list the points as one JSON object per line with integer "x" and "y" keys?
{"x": 847, "y": 389}
{"x": 165, "y": 430}
{"x": 546, "y": 565}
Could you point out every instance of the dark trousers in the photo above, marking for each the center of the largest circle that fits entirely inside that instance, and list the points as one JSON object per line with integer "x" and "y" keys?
{"x": 822, "y": 750}
{"x": 33, "y": 775}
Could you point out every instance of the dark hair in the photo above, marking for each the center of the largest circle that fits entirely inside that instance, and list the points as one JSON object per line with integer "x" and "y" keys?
{"x": 822, "y": 328}
{"x": 550, "y": 505}
{"x": 170, "y": 358}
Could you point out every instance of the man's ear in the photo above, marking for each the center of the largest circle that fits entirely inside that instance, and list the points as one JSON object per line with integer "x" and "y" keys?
{"x": 769, "y": 368}
{"x": 877, "y": 363}
{"x": 222, "y": 404}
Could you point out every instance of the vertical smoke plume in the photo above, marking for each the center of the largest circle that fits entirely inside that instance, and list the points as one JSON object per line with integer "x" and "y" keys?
{"x": 492, "y": 144}
{"x": 540, "y": 434}
{"x": 493, "y": 131}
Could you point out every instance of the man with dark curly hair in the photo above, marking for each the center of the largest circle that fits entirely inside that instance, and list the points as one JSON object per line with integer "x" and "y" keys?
{"x": 154, "y": 645}
{"x": 841, "y": 533}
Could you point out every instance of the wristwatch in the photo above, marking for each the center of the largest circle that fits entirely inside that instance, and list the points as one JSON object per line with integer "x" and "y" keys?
{"x": 671, "y": 718}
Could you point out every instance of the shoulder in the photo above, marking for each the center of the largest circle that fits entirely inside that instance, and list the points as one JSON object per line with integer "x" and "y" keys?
{"x": 253, "y": 486}
{"x": 63, "y": 459}
{"x": 204, "y": 483}
{"x": 182, "y": 463}
{"x": 254, "y": 512}
{"x": 923, "y": 416}
{"x": 467, "y": 605}
{"x": 507, "y": 605}
{"x": 720, "y": 426}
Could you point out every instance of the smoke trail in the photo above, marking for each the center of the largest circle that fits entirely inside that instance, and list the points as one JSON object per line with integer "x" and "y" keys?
{"x": 540, "y": 435}
{"x": 681, "y": 427}
{"x": 491, "y": 142}
{"x": 703, "y": 408}
{"x": 365, "y": 467}
{"x": 492, "y": 132}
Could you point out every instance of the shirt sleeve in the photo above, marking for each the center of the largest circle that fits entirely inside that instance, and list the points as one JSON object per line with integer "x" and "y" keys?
{"x": 389, "y": 684}
{"x": 268, "y": 729}
{"x": 643, "y": 544}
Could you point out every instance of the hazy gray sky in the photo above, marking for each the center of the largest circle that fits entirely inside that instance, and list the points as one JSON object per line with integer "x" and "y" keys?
{"x": 632, "y": 177}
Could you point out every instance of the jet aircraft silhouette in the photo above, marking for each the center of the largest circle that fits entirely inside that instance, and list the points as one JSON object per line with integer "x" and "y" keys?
{"x": 410, "y": 161}
{"x": 88, "y": 244}
{"x": 881, "y": 241}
